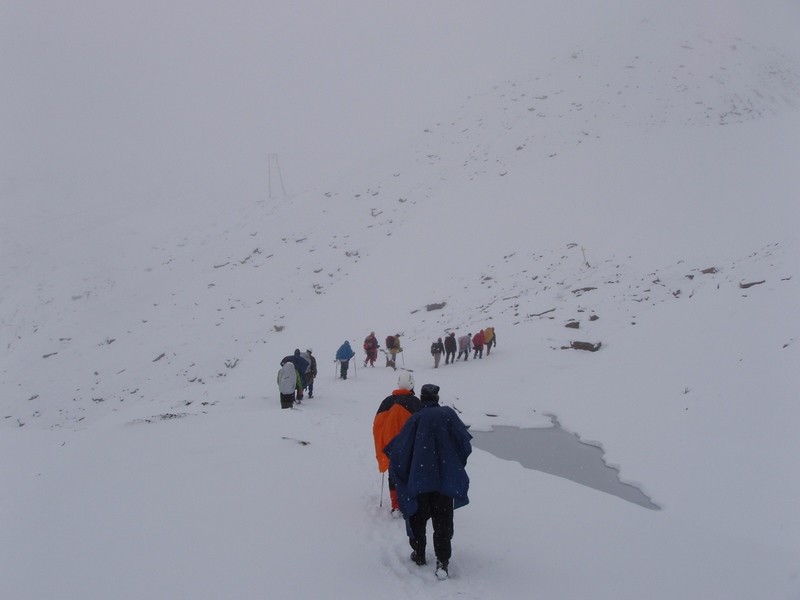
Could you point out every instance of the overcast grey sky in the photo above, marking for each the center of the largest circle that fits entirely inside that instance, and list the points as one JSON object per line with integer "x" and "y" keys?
{"x": 119, "y": 99}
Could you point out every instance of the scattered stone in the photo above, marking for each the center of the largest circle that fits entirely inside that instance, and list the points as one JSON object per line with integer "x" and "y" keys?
{"x": 162, "y": 417}
{"x": 583, "y": 290}
{"x": 301, "y": 442}
{"x": 744, "y": 286}
{"x": 585, "y": 346}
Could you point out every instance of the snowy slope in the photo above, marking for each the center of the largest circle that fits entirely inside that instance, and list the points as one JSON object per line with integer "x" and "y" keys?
{"x": 635, "y": 164}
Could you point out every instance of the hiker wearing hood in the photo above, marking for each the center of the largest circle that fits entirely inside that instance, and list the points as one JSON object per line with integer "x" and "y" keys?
{"x": 463, "y": 346}
{"x": 371, "y": 346}
{"x": 311, "y": 372}
{"x": 477, "y": 344}
{"x": 301, "y": 365}
{"x": 392, "y": 414}
{"x": 393, "y": 348}
{"x": 450, "y": 348}
{"x": 427, "y": 461}
{"x": 489, "y": 339}
{"x": 288, "y": 383}
{"x": 343, "y": 355}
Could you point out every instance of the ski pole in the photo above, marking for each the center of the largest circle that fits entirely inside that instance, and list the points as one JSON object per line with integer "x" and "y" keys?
{"x": 383, "y": 476}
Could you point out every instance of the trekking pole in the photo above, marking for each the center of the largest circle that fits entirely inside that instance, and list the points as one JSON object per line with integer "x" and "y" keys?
{"x": 383, "y": 476}
{"x": 355, "y": 368}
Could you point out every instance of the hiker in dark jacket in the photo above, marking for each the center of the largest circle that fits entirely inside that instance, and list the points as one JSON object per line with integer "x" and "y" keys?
{"x": 437, "y": 349}
{"x": 311, "y": 372}
{"x": 450, "y": 348}
{"x": 343, "y": 355}
{"x": 393, "y": 348}
{"x": 301, "y": 364}
{"x": 427, "y": 461}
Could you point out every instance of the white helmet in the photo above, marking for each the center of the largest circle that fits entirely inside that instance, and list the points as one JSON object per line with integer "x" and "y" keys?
{"x": 405, "y": 381}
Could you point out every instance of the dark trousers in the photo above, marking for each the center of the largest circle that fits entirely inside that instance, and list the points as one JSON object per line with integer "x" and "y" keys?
{"x": 345, "y": 364}
{"x": 287, "y": 400}
{"x": 439, "y": 509}
{"x": 449, "y": 356}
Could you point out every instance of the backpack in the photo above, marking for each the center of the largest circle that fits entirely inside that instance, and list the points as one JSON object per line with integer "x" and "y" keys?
{"x": 434, "y": 348}
{"x": 390, "y": 342}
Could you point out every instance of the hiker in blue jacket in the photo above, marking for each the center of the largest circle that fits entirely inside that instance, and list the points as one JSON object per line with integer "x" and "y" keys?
{"x": 343, "y": 355}
{"x": 427, "y": 462}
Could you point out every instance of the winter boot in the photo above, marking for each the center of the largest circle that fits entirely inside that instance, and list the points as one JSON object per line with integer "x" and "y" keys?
{"x": 418, "y": 558}
{"x": 441, "y": 569}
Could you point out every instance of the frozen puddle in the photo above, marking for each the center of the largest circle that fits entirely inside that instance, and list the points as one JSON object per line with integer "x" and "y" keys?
{"x": 558, "y": 452}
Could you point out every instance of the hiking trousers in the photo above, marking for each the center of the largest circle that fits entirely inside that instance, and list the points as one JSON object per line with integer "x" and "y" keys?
{"x": 437, "y": 508}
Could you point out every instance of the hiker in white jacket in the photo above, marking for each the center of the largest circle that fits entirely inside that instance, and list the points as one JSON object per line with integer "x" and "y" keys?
{"x": 288, "y": 382}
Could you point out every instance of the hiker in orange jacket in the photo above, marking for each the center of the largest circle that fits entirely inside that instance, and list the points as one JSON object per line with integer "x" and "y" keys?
{"x": 392, "y": 414}
{"x": 489, "y": 339}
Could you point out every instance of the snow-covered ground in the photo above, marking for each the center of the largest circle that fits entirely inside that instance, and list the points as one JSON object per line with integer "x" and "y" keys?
{"x": 631, "y": 167}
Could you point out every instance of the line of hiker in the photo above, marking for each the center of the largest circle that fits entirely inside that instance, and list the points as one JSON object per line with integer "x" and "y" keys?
{"x": 296, "y": 375}
{"x": 371, "y": 348}
{"x": 297, "y": 378}
{"x": 486, "y": 337}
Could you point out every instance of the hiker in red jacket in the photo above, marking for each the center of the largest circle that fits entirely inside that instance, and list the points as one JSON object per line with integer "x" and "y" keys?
{"x": 477, "y": 344}
{"x": 371, "y": 349}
